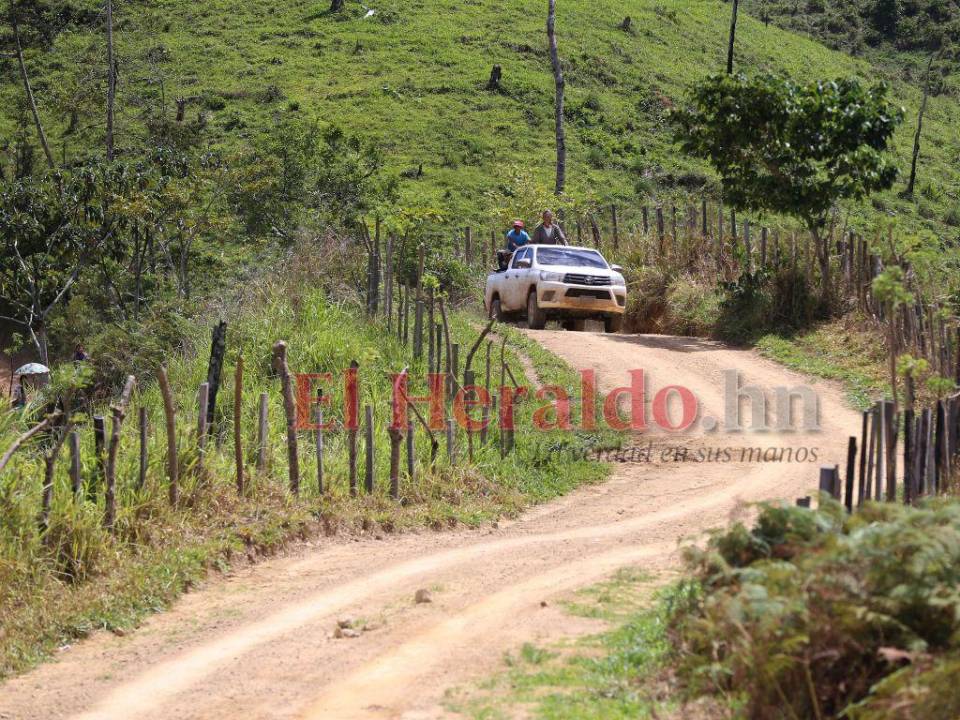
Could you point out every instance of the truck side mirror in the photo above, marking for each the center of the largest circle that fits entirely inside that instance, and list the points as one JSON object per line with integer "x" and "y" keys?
{"x": 616, "y": 268}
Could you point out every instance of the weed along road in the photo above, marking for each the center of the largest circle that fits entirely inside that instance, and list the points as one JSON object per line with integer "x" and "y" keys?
{"x": 382, "y": 626}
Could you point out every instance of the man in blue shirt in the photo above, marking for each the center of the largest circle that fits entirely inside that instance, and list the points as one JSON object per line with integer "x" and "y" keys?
{"x": 517, "y": 237}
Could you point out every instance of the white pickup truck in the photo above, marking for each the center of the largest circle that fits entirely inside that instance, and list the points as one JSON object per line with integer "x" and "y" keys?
{"x": 557, "y": 282}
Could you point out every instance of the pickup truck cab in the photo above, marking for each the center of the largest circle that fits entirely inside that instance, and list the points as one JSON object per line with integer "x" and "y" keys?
{"x": 558, "y": 282}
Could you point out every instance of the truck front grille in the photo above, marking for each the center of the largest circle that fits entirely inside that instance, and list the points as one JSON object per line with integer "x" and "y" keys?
{"x": 578, "y": 279}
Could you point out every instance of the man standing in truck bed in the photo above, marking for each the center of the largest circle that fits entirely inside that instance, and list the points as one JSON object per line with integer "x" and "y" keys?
{"x": 547, "y": 233}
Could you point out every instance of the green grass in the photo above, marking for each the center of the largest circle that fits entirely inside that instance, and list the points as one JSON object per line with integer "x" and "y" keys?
{"x": 833, "y": 351}
{"x": 612, "y": 674}
{"x": 413, "y": 75}
{"x": 80, "y": 578}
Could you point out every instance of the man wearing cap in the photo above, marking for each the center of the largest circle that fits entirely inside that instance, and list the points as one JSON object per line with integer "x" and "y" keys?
{"x": 517, "y": 237}
{"x": 546, "y": 233}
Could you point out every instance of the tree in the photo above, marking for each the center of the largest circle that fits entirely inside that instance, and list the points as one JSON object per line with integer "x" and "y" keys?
{"x": 47, "y": 241}
{"x": 927, "y": 88}
{"x": 111, "y": 80}
{"x": 792, "y": 149}
{"x": 733, "y": 36}
{"x": 28, "y": 89}
{"x": 558, "y": 105}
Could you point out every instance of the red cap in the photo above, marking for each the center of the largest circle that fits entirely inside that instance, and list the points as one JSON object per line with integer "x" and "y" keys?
{"x": 518, "y": 223}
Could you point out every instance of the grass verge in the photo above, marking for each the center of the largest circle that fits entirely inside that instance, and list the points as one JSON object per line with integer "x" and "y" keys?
{"x": 613, "y": 674}
{"x": 834, "y": 351}
{"x": 60, "y": 585}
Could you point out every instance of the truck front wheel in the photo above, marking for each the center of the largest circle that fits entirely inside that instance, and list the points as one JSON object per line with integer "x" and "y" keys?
{"x": 536, "y": 318}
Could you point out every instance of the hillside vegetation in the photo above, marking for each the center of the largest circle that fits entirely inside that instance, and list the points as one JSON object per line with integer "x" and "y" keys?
{"x": 412, "y": 78}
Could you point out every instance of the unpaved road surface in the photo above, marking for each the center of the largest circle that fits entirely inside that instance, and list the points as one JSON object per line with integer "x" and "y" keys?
{"x": 260, "y": 643}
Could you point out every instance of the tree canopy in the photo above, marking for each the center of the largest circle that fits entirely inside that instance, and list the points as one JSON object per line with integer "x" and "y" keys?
{"x": 791, "y": 148}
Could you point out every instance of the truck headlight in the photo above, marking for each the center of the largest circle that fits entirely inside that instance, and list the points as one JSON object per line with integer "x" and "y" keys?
{"x": 551, "y": 276}
{"x": 618, "y": 279}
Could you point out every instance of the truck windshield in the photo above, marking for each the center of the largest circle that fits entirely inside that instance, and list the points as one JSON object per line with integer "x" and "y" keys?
{"x": 571, "y": 257}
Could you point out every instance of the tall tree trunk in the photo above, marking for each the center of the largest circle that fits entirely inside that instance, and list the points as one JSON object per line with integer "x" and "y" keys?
{"x": 28, "y": 89}
{"x": 336, "y": 5}
{"x": 559, "y": 82}
{"x": 733, "y": 36}
{"x": 916, "y": 138}
{"x": 111, "y": 80}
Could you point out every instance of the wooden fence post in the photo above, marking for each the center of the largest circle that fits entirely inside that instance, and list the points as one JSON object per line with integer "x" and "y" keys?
{"x": 218, "y": 349}
{"x": 704, "y": 222}
{"x": 368, "y": 447}
{"x": 290, "y": 410}
{"x": 262, "y": 432}
{"x": 468, "y": 245}
{"x": 203, "y": 400}
{"x": 411, "y": 451}
{"x": 430, "y": 323}
{"x": 747, "y": 246}
{"x": 173, "y": 471}
{"x": 238, "y": 422}
{"x": 891, "y": 424}
{"x": 142, "y": 422}
{"x": 851, "y": 471}
{"x": 451, "y": 449}
{"x": 119, "y": 412}
{"x": 881, "y": 432}
{"x": 469, "y": 382}
{"x": 646, "y": 220}
{"x": 99, "y": 448}
{"x": 660, "y": 232}
{"x": 829, "y": 480}
{"x": 873, "y": 434}
{"x": 864, "y": 453}
{"x": 407, "y": 299}
{"x": 418, "y": 331}
{"x": 764, "y": 232}
{"x": 76, "y": 484}
{"x": 396, "y": 438}
{"x": 352, "y": 440}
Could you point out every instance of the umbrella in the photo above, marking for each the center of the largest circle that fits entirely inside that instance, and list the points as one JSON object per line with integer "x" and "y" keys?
{"x": 32, "y": 369}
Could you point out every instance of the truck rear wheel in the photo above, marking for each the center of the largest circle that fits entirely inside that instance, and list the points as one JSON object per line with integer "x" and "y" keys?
{"x": 536, "y": 318}
{"x": 496, "y": 312}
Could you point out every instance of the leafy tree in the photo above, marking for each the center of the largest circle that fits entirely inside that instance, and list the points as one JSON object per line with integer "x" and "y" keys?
{"x": 793, "y": 149}
{"x": 49, "y": 237}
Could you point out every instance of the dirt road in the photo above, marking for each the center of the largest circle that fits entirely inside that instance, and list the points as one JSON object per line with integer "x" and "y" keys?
{"x": 260, "y": 644}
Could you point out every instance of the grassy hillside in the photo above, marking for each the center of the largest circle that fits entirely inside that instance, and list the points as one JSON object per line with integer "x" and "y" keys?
{"x": 412, "y": 76}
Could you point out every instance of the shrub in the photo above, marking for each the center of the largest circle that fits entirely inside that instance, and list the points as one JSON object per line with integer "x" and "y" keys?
{"x": 693, "y": 307}
{"x": 820, "y": 614}
{"x": 744, "y": 307}
{"x": 647, "y": 300}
